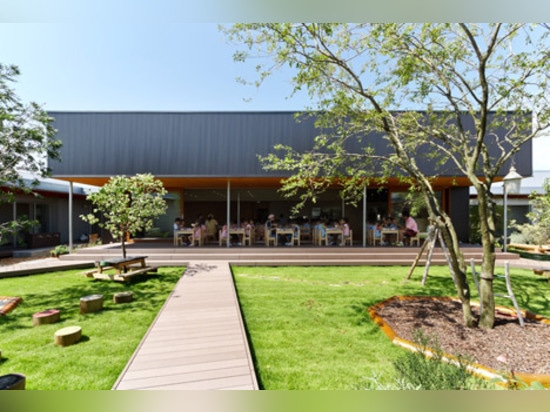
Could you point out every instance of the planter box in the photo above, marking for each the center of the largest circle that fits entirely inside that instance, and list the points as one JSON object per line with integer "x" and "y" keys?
{"x": 43, "y": 240}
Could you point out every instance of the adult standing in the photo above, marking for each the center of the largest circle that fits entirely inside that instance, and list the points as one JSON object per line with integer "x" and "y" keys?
{"x": 211, "y": 227}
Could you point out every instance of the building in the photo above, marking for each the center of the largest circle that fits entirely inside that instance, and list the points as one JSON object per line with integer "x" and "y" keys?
{"x": 519, "y": 204}
{"x": 48, "y": 205}
{"x": 208, "y": 161}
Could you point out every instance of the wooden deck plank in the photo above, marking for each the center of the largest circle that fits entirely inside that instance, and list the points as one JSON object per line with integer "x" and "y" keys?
{"x": 197, "y": 340}
{"x": 183, "y": 360}
{"x": 174, "y": 369}
{"x": 180, "y": 383}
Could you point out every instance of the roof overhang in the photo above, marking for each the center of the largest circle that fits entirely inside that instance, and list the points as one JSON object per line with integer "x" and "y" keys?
{"x": 173, "y": 182}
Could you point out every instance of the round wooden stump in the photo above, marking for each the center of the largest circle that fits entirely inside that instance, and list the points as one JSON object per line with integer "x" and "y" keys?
{"x": 12, "y": 381}
{"x": 46, "y": 317}
{"x": 68, "y": 336}
{"x": 92, "y": 303}
{"x": 123, "y": 297}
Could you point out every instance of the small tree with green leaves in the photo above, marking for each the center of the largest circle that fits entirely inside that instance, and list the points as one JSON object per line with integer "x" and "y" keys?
{"x": 27, "y": 137}
{"x": 127, "y": 205}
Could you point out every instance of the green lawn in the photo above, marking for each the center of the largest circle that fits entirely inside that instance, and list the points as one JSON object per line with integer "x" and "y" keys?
{"x": 309, "y": 326}
{"x": 109, "y": 337}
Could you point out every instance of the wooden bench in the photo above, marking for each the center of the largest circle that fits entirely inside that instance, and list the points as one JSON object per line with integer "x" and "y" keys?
{"x": 121, "y": 265}
{"x": 124, "y": 268}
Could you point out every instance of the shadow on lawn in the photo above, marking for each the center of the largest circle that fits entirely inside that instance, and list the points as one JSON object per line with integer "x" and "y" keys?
{"x": 532, "y": 291}
{"x": 149, "y": 292}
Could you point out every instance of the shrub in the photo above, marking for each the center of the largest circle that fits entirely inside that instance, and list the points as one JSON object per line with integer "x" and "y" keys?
{"x": 425, "y": 369}
{"x": 59, "y": 250}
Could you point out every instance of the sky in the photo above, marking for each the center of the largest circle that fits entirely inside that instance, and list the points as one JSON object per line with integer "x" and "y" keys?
{"x": 133, "y": 66}
{"x": 73, "y": 61}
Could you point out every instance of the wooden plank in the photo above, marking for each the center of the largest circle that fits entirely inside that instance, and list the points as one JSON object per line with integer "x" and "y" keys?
{"x": 127, "y": 275}
{"x": 123, "y": 276}
{"x": 207, "y": 346}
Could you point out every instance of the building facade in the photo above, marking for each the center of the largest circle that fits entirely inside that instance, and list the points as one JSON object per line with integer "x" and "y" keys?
{"x": 209, "y": 163}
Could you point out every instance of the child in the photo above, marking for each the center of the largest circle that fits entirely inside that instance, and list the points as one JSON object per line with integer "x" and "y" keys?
{"x": 344, "y": 225}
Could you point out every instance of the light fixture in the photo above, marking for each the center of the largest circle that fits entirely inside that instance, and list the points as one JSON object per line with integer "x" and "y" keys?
{"x": 511, "y": 185}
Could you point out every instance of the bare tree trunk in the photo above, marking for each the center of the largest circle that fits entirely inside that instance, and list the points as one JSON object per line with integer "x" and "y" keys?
{"x": 457, "y": 268}
{"x": 123, "y": 244}
{"x": 487, "y": 297}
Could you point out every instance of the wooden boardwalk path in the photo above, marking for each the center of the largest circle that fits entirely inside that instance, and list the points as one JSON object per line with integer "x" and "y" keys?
{"x": 198, "y": 340}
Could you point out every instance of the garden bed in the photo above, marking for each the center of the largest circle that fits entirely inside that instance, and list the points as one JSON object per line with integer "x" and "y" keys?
{"x": 507, "y": 347}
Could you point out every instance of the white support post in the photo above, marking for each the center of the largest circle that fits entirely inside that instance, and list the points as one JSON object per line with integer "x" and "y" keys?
{"x": 505, "y": 231}
{"x": 71, "y": 217}
{"x": 228, "y": 221}
{"x": 365, "y": 216}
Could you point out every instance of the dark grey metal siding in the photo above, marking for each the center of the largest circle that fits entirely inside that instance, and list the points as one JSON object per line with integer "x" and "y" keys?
{"x": 189, "y": 144}
{"x": 173, "y": 144}
{"x": 459, "y": 211}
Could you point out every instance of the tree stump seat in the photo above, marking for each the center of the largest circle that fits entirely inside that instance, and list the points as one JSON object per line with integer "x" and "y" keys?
{"x": 68, "y": 336}
{"x": 46, "y": 317}
{"x": 123, "y": 297}
{"x": 90, "y": 304}
{"x": 12, "y": 381}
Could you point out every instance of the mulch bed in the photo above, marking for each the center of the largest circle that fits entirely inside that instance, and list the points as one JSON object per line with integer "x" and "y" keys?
{"x": 525, "y": 349}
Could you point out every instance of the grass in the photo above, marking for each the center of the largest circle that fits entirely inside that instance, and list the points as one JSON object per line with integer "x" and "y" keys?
{"x": 309, "y": 327}
{"x": 109, "y": 337}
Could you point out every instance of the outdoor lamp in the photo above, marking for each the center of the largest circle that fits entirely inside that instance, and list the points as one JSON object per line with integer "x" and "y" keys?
{"x": 511, "y": 184}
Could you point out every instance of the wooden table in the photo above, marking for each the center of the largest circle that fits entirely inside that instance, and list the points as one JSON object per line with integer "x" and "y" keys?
{"x": 390, "y": 232}
{"x": 124, "y": 268}
{"x": 283, "y": 231}
{"x": 121, "y": 265}
{"x": 237, "y": 231}
{"x": 185, "y": 232}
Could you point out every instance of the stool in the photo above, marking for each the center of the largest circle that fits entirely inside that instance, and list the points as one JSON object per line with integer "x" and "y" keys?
{"x": 123, "y": 297}
{"x": 12, "y": 381}
{"x": 46, "y": 317}
{"x": 92, "y": 303}
{"x": 68, "y": 336}
{"x": 416, "y": 238}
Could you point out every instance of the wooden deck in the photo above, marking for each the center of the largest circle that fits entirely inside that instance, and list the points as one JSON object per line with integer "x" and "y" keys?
{"x": 198, "y": 340}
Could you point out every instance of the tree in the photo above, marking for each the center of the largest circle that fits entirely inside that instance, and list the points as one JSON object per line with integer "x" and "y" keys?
{"x": 27, "y": 138}
{"x": 127, "y": 205}
{"x": 425, "y": 93}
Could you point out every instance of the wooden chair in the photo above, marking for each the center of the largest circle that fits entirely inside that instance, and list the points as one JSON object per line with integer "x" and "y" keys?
{"x": 321, "y": 237}
{"x": 416, "y": 239}
{"x": 196, "y": 238}
{"x": 296, "y": 237}
{"x": 305, "y": 234}
{"x": 221, "y": 239}
{"x": 373, "y": 239}
{"x": 348, "y": 240}
{"x": 248, "y": 238}
{"x": 269, "y": 238}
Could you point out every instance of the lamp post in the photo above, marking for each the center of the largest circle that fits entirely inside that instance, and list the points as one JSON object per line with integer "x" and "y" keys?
{"x": 511, "y": 184}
